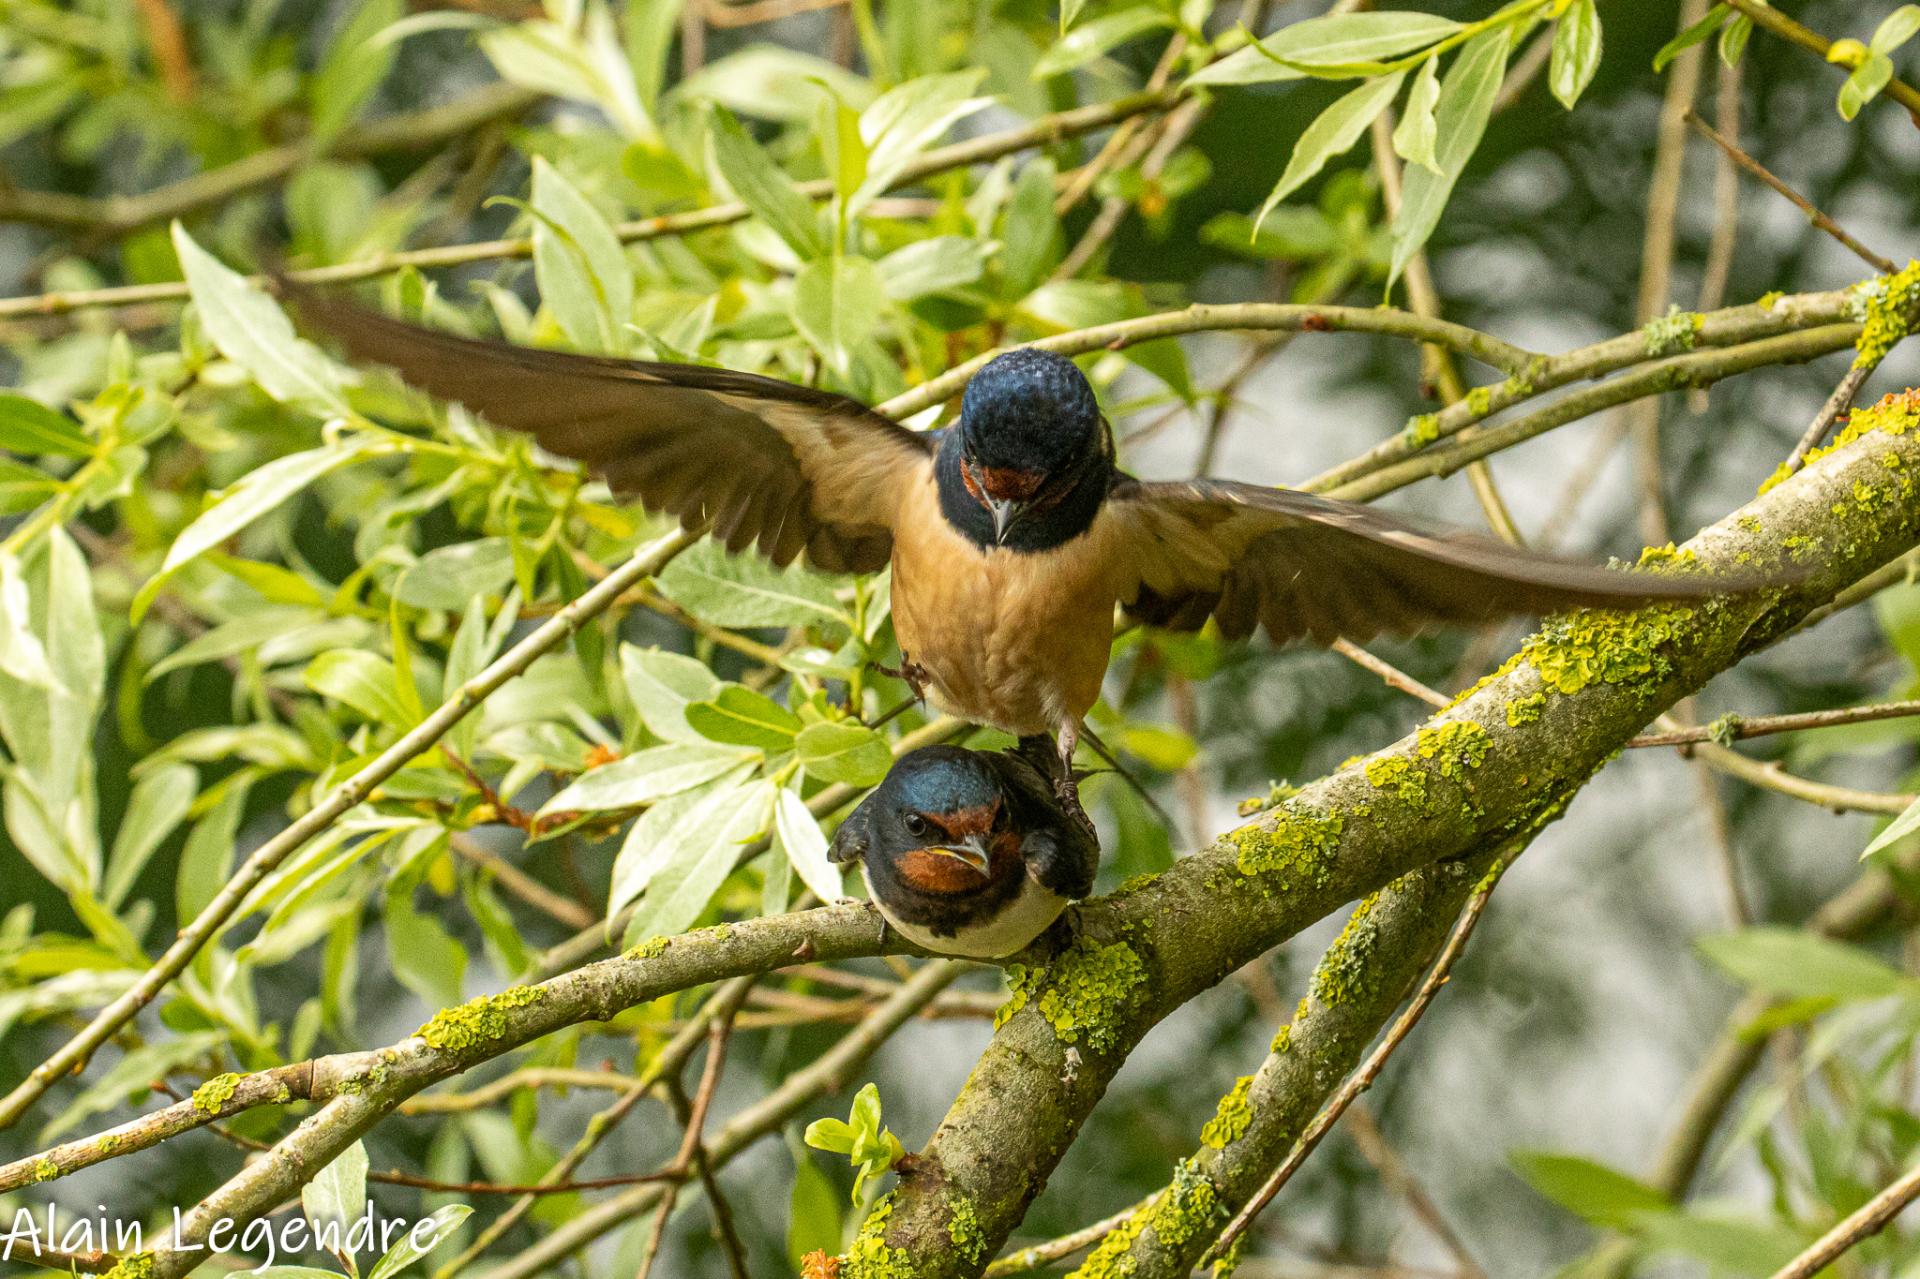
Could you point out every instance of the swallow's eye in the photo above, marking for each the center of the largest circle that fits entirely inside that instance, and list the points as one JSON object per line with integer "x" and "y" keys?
{"x": 916, "y": 824}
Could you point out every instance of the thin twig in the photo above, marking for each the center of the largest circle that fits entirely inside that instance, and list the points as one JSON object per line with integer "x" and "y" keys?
{"x": 1868, "y": 1220}
{"x": 1767, "y": 17}
{"x": 1362, "y": 1079}
{"x": 1733, "y": 151}
{"x": 1393, "y": 676}
{"x": 1839, "y": 402}
{"x": 1045, "y": 1254}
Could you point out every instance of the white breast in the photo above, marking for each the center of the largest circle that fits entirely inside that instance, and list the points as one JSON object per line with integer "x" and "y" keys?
{"x": 1024, "y": 919}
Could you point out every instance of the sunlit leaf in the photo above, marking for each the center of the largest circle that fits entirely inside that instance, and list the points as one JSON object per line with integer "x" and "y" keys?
{"x": 1576, "y": 52}
{"x": 765, "y": 188}
{"x": 1466, "y": 100}
{"x": 645, "y": 776}
{"x": 837, "y": 304}
{"x": 1332, "y": 133}
{"x": 1591, "y": 1190}
{"x": 30, "y": 427}
{"x": 850, "y": 753}
{"x": 746, "y": 590}
{"x": 805, "y": 846}
{"x": 1785, "y": 961}
{"x": 1091, "y": 39}
{"x": 581, "y": 266}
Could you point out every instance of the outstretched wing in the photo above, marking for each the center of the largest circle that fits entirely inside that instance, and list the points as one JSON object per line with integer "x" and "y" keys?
{"x": 1301, "y": 565}
{"x": 761, "y": 461}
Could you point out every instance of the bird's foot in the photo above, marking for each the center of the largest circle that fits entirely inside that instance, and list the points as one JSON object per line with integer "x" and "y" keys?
{"x": 910, "y": 673}
{"x": 1066, "y": 789}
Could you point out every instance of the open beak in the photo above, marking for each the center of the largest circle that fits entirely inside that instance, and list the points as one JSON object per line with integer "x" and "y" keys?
{"x": 1006, "y": 513}
{"x": 972, "y": 850}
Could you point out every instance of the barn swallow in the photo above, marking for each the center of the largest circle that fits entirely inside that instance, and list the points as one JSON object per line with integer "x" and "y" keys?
{"x": 1012, "y": 534}
{"x": 968, "y": 852}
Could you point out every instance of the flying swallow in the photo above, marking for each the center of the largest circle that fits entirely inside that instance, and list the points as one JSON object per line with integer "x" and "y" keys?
{"x": 968, "y": 852}
{"x": 1012, "y": 534}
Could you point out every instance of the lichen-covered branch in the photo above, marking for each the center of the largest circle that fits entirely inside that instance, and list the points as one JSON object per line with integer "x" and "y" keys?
{"x": 1514, "y": 749}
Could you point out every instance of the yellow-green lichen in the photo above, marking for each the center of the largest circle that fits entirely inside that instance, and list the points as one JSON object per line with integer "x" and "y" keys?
{"x": 869, "y": 1257}
{"x": 1282, "y": 1040}
{"x": 1085, "y": 994}
{"x": 1294, "y": 849}
{"x": 1230, "y": 1118}
{"x": 1671, "y": 333}
{"x": 1725, "y": 730}
{"x": 1277, "y": 794}
{"x": 1590, "y": 646}
{"x": 963, "y": 1228}
{"x": 137, "y": 1266}
{"x": 107, "y": 1144}
{"x": 1187, "y": 1207}
{"x": 1422, "y": 430}
{"x": 478, "y": 1021}
{"x": 651, "y": 948}
{"x": 1480, "y": 401}
{"x": 1888, "y": 304}
{"x": 1346, "y": 970}
{"x": 1400, "y": 775}
{"x": 1525, "y": 710}
{"x": 45, "y": 1170}
{"x": 1226, "y": 1263}
{"x": 209, "y": 1097}
{"x": 1455, "y": 747}
{"x": 1113, "y": 1259}
{"x": 1767, "y": 299}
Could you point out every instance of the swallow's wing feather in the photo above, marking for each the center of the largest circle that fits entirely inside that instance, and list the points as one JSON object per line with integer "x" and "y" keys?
{"x": 1300, "y": 565}
{"x": 1061, "y": 853}
{"x": 849, "y": 843}
{"x": 764, "y": 462}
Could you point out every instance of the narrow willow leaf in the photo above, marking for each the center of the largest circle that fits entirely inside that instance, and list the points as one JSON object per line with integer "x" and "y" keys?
{"x": 745, "y": 590}
{"x": 1785, "y": 961}
{"x": 1086, "y": 42}
{"x": 837, "y": 303}
{"x": 580, "y": 264}
{"x": 1333, "y": 133}
{"x": 364, "y": 681}
{"x": 849, "y": 753}
{"x": 1466, "y": 100}
{"x": 805, "y": 847}
{"x": 338, "y": 1192}
{"x": 1349, "y": 44}
{"x": 30, "y": 427}
{"x": 1576, "y": 52}
{"x": 1733, "y": 39}
{"x": 661, "y": 684}
{"x": 420, "y": 1239}
{"x": 934, "y": 265}
{"x": 905, "y": 120}
{"x": 1602, "y": 1195}
{"x": 738, "y": 716}
{"x": 764, "y": 187}
{"x": 701, "y": 854}
{"x": 1691, "y": 36}
{"x": 645, "y": 777}
{"x": 158, "y": 804}
{"x": 1414, "y": 136}
{"x": 251, "y": 330}
{"x": 1899, "y": 828}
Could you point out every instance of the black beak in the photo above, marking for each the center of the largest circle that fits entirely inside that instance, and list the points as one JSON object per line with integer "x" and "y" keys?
{"x": 972, "y": 850}
{"x": 1006, "y": 513}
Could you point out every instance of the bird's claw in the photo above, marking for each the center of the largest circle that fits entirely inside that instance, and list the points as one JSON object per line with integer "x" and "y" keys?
{"x": 915, "y": 676}
{"x": 1066, "y": 789}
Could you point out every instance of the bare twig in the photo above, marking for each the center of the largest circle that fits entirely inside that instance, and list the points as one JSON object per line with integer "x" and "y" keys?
{"x": 1733, "y": 152}
{"x": 1868, "y": 1220}
{"x": 1839, "y": 402}
{"x": 1362, "y": 1079}
{"x": 1392, "y": 675}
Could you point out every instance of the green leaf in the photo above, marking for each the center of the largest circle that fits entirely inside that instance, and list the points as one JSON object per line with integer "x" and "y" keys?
{"x": 338, "y": 1192}
{"x": 1332, "y": 133}
{"x": 837, "y": 303}
{"x": 451, "y": 577}
{"x": 1733, "y": 39}
{"x": 425, "y": 957}
{"x": 131, "y": 1078}
{"x": 1898, "y": 828}
{"x": 849, "y": 753}
{"x": 696, "y": 854}
{"x": 1414, "y": 136}
{"x": 206, "y": 861}
{"x": 422, "y": 1238}
{"x": 1691, "y": 36}
{"x": 1593, "y": 1191}
{"x": 905, "y": 120}
{"x": 1737, "y": 1247}
{"x": 745, "y": 590}
{"x": 580, "y": 264}
{"x": 583, "y": 63}
{"x": 934, "y": 265}
{"x": 1342, "y": 45}
{"x": 1576, "y": 52}
{"x": 1086, "y": 42}
{"x": 1466, "y": 100}
{"x": 258, "y": 491}
{"x": 364, "y": 681}
{"x": 30, "y": 427}
{"x": 1785, "y": 961}
{"x": 1030, "y": 240}
{"x": 661, "y": 684}
{"x": 738, "y": 716}
{"x": 798, "y": 832}
{"x": 1864, "y": 85}
{"x": 764, "y": 187}
{"x": 252, "y": 331}
{"x": 355, "y": 63}
{"x": 644, "y": 777}
{"x": 159, "y": 803}
{"x": 1895, "y": 29}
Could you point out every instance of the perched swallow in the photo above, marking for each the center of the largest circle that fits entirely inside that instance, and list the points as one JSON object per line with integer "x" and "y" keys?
{"x": 967, "y": 852}
{"x": 1012, "y": 534}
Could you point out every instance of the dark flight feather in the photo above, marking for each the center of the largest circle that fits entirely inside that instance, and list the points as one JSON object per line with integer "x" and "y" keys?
{"x": 1300, "y": 565}
{"x": 766, "y": 462}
